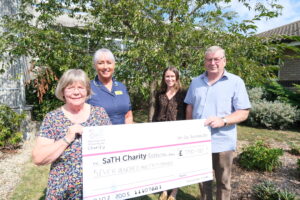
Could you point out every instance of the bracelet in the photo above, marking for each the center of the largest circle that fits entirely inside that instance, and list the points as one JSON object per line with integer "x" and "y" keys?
{"x": 66, "y": 141}
{"x": 225, "y": 121}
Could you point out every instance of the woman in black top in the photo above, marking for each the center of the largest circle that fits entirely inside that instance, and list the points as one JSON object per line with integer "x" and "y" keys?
{"x": 169, "y": 106}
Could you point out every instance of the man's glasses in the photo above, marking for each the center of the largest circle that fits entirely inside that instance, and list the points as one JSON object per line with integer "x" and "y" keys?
{"x": 217, "y": 60}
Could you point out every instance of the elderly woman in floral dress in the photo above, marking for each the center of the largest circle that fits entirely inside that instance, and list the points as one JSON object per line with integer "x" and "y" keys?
{"x": 57, "y": 142}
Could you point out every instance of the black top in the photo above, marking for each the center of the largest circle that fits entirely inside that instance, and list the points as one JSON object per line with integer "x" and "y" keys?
{"x": 169, "y": 110}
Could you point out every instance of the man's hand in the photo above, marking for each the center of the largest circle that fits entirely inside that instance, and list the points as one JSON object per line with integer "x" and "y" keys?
{"x": 214, "y": 122}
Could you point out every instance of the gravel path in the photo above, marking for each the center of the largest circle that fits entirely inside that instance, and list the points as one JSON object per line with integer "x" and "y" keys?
{"x": 11, "y": 168}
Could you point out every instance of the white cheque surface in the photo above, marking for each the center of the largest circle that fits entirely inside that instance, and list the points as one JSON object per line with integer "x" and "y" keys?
{"x": 126, "y": 161}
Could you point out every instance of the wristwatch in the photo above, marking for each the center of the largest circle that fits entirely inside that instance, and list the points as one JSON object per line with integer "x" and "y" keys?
{"x": 225, "y": 121}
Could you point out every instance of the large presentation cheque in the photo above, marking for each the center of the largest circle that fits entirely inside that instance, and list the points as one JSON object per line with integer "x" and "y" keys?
{"x": 126, "y": 161}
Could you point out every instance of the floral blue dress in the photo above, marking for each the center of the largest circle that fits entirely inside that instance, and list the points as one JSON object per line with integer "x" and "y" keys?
{"x": 65, "y": 176}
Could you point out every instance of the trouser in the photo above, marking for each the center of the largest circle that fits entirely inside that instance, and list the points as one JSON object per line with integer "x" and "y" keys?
{"x": 222, "y": 165}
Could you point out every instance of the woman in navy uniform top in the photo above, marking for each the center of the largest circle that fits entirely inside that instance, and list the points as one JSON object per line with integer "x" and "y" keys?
{"x": 108, "y": 93}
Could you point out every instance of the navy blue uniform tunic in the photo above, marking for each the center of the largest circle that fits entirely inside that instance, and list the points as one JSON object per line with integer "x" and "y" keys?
{"x": 115, "y": 102}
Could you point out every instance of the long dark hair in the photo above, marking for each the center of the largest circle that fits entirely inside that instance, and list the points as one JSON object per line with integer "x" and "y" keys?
{"x": 163, "y": 85}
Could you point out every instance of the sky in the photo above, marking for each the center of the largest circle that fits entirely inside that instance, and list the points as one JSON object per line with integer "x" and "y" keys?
{"x": 290, "y": 13}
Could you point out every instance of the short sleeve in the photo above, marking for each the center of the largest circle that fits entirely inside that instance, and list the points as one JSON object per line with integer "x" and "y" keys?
{"x": 47, "y": 127}
{"x": 241, "y": 99}
{"x": 100, "y": 116}
{"x": 189, "y": 95}
{"x": 129, "y": 102}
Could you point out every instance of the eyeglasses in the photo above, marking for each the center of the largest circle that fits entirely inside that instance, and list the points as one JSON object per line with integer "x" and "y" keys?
{"x": 73, "y": 89}
{"x": 217, "y": 60}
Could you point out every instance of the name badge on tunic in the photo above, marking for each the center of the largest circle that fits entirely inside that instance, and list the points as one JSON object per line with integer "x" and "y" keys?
{"x": 119, "y": 92}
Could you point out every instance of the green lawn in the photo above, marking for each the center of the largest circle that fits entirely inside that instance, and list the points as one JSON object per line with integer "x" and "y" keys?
{"x": 33, "y": 183}
{"x": 251, "y": 135}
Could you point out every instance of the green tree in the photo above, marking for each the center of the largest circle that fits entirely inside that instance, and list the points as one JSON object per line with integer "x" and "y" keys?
{"x": 154, "y": 34}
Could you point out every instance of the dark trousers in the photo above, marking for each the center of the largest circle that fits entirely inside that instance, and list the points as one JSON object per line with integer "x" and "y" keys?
{"x": 222, "y": 165}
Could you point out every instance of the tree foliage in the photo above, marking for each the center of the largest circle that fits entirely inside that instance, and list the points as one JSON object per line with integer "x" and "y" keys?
{"x": 153, "y": 34}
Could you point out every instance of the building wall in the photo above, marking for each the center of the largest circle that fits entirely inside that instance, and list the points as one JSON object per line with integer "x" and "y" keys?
{"x": 290, "y": 70}
{"x": 289, "y": 73}
{"x": 12, "y": 90}
{"x": 8, "y": 7}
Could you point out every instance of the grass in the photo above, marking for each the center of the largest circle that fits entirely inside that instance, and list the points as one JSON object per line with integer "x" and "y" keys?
{"x": 252, "y": 134}
{"x": 33, "y": 183}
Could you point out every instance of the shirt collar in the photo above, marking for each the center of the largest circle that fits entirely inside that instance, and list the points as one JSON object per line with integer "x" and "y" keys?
{"x": 98, "y": 83}
{"x": 204, "y": 76}
{"x": 225, "y": 74}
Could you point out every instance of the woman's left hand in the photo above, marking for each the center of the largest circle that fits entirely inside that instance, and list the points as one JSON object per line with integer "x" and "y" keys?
{"x": 74, "y": 130}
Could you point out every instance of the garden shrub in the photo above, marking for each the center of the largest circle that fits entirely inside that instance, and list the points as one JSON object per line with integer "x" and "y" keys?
{"x": 10, "y": 121}
{"x": 275, "y": 91}
{"x": 260, "y": 157}
{"x": 256, "y": 94}
{"x": 40, "y": 109}
{"x": 267, "y": 191}
{"x": 295, "y": 149}
{"x": 270, "y": 114}
{"x": 275, "y": 114}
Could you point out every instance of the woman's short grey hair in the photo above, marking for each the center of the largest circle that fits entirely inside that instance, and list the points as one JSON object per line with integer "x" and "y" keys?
{"x": 214, "y": 49}
{"x": 69, "y": 77}
{"x": 102, "y": 51}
